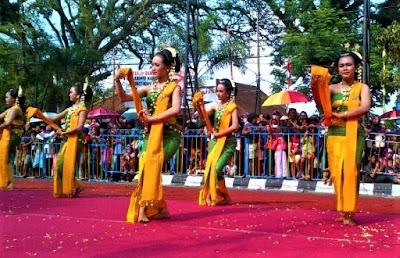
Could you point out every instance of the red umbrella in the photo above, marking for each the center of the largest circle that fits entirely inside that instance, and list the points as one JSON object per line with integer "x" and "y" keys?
{"x": 393, "y": 114}
{"x": 100, "y": 113}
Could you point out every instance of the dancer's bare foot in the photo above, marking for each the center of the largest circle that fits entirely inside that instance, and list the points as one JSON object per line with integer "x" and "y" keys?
{"x": 162, "y": 214}
{"x": 349, "y": 219}
{"x": 226, "y": 201}
{"x": 10, "y": 186}
{"x": 78, "y": 190}
{"x": 208, "y": 200}
{"x": 142, "y": 218}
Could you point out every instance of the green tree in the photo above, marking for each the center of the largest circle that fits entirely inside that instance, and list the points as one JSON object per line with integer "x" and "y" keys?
{"x": 64, "y": 41}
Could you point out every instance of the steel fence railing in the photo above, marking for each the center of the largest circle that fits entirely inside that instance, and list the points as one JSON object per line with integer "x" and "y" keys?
{"x": 115, "y": 155}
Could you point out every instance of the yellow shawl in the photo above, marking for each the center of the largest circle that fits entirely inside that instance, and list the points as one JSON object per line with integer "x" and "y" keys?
{"x": 135, "y": 95}
{"x": 198, "y": 102}
{"x": 210, "y": 176}
{"x": 149, "y": 189}
{"x": 35, "y": 112}
{"x": 320, "y": 89}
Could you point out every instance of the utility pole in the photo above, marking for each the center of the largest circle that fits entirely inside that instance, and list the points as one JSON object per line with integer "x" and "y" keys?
{"x": 366, "y": 41}
{"x": 228, "y": 36}
{"x": 258, "y": 104}
{"x": 113, "y": 93}
{"x": 196, "y": 53}
{"x": 185, "y": 85}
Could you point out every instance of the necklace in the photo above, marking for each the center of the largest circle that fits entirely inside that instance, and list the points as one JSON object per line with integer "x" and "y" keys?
{"x": 218, "y": 114}
{"x": 70, "y": 113}
{"x": 345, "y": 92}
{"x": 156, "y": 92}
{"x": 223, "y": 106}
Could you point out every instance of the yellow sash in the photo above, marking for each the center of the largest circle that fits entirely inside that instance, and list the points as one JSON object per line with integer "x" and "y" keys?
{"x": 210, "y": 176}
{"x": 5, "y": 166}
{"x": 198, "y": 102}
{"x": 320, "y": 89}
{"x": 149, "y": 189}
{"x": 35, "y": 112}
{"x": 135, "y": 95}
{"x": 350, "y": 187}
{"x": 68, "y": 183}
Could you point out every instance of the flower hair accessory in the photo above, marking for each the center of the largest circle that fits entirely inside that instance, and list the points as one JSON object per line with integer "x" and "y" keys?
{"x": 20, "y": 94}
{"x": 172, "y": 70}
{"x": 85, "y": 85}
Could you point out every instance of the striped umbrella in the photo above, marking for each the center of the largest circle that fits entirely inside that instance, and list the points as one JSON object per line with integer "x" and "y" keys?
{"x": 391, "y": 115}
{"x": 285, "y": 97}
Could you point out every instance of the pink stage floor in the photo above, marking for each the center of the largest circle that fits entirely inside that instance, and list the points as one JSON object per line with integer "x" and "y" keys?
{"x": 259, "y": 223}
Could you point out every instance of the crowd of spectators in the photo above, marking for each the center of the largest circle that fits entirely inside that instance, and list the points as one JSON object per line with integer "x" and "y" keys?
{"x": 288, "y": 145}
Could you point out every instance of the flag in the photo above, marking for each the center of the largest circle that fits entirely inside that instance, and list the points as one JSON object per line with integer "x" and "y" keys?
{"x": 288, "y": 73}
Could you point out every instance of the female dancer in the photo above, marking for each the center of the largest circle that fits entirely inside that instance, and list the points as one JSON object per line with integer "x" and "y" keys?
{"x": 222, "y": 147}
{"x": 162, "y": 138}
{"x": 346, "y": 139}
{"x": 11, "y": 130}
{"x": 67, "y": 163}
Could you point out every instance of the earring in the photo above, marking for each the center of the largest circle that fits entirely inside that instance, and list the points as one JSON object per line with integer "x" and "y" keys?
{"x": 171, "y": 73}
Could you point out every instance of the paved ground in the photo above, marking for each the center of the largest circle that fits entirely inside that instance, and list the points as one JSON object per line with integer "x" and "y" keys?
{"x": 258, "y": 223}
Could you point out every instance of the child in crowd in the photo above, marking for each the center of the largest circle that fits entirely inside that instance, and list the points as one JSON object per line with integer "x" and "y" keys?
{"x": 85, "y": 153}
{"x": 125, "y": 165}
{"x": 231, "y": 168}
{"x": 307, "y": 157}
{"x": 294, "y": 153}
{"x": 108, "y": 154}
{"x": 391, "y": 172}
{"x": 279, "y": 145}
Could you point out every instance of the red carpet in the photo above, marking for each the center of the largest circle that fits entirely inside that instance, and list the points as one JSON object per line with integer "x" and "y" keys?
{"x": 259, "y": 223}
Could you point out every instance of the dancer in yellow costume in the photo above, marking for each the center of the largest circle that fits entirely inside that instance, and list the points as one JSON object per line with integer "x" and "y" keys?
{"x": 162, "y": 138}
{"x": 346, "y": 138}
{"x": 67, "y": 163}
{"x": 222, "y": 146}
{"x": 11, "y": 131}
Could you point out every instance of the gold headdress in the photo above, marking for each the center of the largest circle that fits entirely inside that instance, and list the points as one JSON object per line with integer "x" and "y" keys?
{"x": 85, "y": 85}
{"x": 20, "y": 94}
